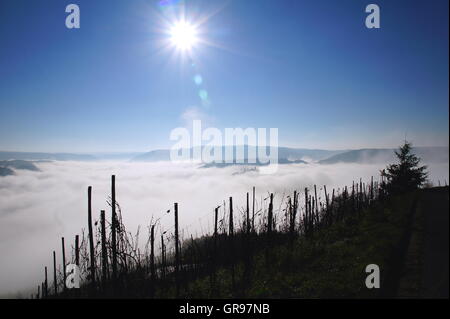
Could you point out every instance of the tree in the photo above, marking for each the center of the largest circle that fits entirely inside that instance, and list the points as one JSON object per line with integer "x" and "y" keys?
{"x": 405, "y": 176}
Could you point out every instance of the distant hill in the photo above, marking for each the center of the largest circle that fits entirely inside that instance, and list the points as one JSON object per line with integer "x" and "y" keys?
{"x": 115, "y": 156}
{"x": 19, "y": 164}
{"x": 153, "y": 156}
{"x": 45, "y": 156}
{"x": 6, "y": 167}
{"x": 221, "y": 165}
{"x": 5, "y": 171}
{"x": 305, "y": 154}
{"x": 375, "y": 156}
{"x": 285, "y": 154}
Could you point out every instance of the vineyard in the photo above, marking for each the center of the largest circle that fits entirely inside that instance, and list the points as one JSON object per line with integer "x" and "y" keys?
{"x": 314, "y": 243}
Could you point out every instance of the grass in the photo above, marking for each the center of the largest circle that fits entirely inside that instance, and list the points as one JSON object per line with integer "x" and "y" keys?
{"x": 331, "y": 264}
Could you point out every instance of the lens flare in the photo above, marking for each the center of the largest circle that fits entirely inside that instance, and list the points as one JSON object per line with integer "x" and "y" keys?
{"x": 198, "y": 79}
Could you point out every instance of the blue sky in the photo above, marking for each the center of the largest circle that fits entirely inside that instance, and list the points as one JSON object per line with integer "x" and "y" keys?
{"x": 310, "y": 68}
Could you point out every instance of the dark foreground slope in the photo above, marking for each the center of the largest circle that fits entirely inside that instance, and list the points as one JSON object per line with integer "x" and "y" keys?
{"x": 436, "y": 243}
{"x": 406, "y": 236}
{"x": 412, "y": 229}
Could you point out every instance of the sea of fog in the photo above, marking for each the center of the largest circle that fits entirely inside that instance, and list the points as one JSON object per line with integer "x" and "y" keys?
{"x": 38, "y": 208}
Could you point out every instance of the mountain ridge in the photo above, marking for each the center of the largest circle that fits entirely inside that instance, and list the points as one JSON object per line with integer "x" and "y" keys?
{"x": 428, "y": 154}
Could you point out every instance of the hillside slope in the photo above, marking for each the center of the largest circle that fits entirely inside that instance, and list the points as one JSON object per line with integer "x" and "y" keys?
{"x": 406, "y": 236}
{"x": 384, "y": 155}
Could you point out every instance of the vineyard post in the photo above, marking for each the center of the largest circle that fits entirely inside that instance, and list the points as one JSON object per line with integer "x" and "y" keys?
{"x": 248, "y": 215}
{"x": 310, "y": 214}
{"x": 55, "y": 282}
{"x": 353, "y": 196}
{"x": 313, "y": 216}
{"x": 113, "y": 229}
{"x": 177, "y": 252}
{"x": 64, "y": 262}
{"x": 361, "y": 189}
{"x": 357, "y": 196}
{"x": 253, "y": 208}
{"x": 371, "y": 188}
{"x": 295, "y": 208}
{"x": 152, "y": 259}
{"x": 345, "y": 200}
{"x": 305, "y": 217}
{"x": 216, "y": 216}
{"x": 91, "y": 236}
{"x": 163, "y": 258}
{"x": 293, "y": 214}
{"x": 104, "y": 249}
{"x": 365, "y": 193}
{"x": 230, "y": 225}
{"x": 331, "y": 206}
{"x": 214, "y": 254}
{"x": 316, "y": 201}
{"x": 326, "y": 205}
{"x": 231, "y": 234}
{"x": 46, "y": 283}
{"x": 152, "y": 253}
{"x": 270, "y": 216}
{"x": 77, "y": 250}
{"x": 289, "y": 214}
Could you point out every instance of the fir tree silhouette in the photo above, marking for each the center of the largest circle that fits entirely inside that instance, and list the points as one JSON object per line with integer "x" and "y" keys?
{"x": 406, "y": 175}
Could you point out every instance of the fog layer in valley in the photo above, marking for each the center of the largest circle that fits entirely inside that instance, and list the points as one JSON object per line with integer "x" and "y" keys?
{"x": 37, "y": 208}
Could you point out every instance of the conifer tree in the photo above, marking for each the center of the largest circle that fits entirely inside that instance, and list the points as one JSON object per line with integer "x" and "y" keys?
{"x": 406, "y": 175}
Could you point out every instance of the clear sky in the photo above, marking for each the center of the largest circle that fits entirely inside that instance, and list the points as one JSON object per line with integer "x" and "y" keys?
{"x": 310, "y": 68}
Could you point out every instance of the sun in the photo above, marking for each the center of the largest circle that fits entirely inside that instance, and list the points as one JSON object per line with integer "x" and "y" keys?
{"x": 183, "y": 35}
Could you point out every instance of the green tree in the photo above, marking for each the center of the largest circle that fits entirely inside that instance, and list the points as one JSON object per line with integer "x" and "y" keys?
{"x": 406, "y": 175}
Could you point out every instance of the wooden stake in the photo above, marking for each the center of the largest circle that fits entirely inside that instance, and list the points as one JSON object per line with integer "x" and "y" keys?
{"x": 305, "y": 217}
{"x": 91, "y": 237}
{"x": 77, "y": 250}
{"x": 316, "y": 201}
{"x": 104, "y": 248}
{"x": 163, "y": 257}
{"x": 270, "y": 215}
{"x": 230, "y": 225}
{"x": 248, "y": 215}
{"x": 113, "y": 229}
{"x": 293, "y": 214}
{"x": 64, "y": 262}
{"x": 231, "y": 234}
{"x": 177, "y": 252}
{"x": 371, "y": 188}
{"x": 55, "y": 282}
{"x": 152, "y": 253}
{"x": 46, "y": 283}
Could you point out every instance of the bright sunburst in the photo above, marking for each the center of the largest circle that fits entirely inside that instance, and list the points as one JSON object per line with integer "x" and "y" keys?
{"x": 183, "y": 35}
